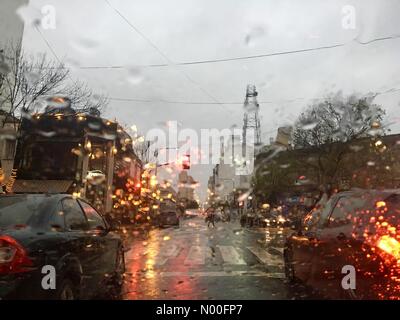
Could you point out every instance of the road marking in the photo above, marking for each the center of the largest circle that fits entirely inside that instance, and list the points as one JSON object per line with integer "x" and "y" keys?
{"x": 273, "y": 275}
{"x": 230, "y": 255}
{"x": 265, "y": 257}
{"x": 197, "y": 255}
{"x": 169, "y": 252}
{"x": 278, "y": 249}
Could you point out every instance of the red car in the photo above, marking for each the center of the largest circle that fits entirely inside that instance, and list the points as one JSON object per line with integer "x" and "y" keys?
{"x": 357, "y": 230}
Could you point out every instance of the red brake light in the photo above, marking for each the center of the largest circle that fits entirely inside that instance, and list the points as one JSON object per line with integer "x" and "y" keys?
{"x": 389, "y": 245}
{"x": 13, "y": 257}
{"x": 186, "y": 162}
{"x": 380, "y": 204}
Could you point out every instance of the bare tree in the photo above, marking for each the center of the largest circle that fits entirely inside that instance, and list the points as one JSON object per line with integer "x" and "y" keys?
{"x": 141, "y": 149}
{"x": 83, "y": 99}
{"x": 27, "y": 80}
{"x": 274, "y": 174}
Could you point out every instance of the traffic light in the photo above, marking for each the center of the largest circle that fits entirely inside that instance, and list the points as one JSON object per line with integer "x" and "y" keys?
{"x": 138, "y": 188}
{"x": 186, "y": 162}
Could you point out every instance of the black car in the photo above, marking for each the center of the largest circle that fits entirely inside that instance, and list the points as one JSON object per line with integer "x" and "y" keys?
{"x": 168, "y": 218}
{"x": 167, "y": 214}
{"x": 355, "y": 234}
{"x": 41, "y": 232}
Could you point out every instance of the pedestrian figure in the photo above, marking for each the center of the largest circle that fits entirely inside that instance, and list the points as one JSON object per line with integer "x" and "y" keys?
{"x": 210, "y": 218}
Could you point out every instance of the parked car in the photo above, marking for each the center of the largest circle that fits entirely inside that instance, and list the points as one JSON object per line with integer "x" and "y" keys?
{"x": 167, "y": 215}
{"x": 356, "y": 230}
{"x": 167, "y": 218}
{"x": 63, "y": 232}
{"x": 192, "y": 213}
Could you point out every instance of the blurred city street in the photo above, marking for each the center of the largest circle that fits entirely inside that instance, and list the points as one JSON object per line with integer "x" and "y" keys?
{"x": 196, "y": 262}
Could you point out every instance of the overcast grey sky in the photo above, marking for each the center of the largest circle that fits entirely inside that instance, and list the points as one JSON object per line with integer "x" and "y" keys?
{"x": 91, "y": 33}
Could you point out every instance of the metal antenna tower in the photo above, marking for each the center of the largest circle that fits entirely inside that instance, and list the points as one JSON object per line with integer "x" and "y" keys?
{"x": 251, "y": 118}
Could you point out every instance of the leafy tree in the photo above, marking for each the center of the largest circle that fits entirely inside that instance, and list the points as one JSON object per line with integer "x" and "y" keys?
{"x": 275, "y": 173}
{"x": 326, "y": 129}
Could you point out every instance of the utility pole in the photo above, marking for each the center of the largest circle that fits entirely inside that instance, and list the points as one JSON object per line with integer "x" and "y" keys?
{"x": 251, "y": 119}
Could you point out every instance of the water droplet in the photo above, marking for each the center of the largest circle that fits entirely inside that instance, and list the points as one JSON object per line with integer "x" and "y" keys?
{"x": 47, "y": 134}
{"x": 57, "y": 102}
{"x": 308, "y": 124}
{"x": 32, "y": 78}
{"x": 135, "y": 75}
{"x": 30, "y": 15}
{"x": 4, "y": 68}
{"x": 26, "y": 114}
{"x": 85, "y": 45}
{"x": 356, "y": 148}
{"x": 255, "y": 36}
{"x": 94, "y": 125}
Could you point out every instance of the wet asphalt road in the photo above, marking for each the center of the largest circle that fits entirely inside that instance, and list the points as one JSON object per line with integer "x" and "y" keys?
{"x": 196, "y": 262}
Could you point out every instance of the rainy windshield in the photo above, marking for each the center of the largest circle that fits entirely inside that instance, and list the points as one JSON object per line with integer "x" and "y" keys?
{"x": 202, "y": 150}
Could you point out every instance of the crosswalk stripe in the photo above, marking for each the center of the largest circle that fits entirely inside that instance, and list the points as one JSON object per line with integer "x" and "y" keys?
{"x": 166, "y": 253}
{"x": 265, "y": 257}
{"x": 230, "y": 255}
{"x": 197, "y": 255}
{"x": 171, "y": 251}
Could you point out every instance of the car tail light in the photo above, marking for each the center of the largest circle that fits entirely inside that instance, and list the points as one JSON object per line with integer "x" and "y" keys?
{"x": 389, "y": 245}
{"x": 13, "y": 257}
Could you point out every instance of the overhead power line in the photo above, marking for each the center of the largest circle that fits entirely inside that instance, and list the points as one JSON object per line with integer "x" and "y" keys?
{"x": 250, "y": 57}
{"x": 48, "y": 45}
{"x": 388, "y": 91}
{"x": 392, "y": 90}
{"x": 161, "y": 53}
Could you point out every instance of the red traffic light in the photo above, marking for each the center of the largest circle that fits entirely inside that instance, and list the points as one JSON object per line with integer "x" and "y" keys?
{"x": 186, "y": 162}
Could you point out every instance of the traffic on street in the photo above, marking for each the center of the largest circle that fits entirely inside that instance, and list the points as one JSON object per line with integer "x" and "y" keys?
{"x": 199, "y": 150}
{"x": 197, "y": 262}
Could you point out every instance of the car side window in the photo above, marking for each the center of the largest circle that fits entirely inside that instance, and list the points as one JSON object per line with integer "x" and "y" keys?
{"x": 311, "y": 220}
{"x": 325, "y": 211}
{"x": 74, "y": 217}
{"x": 57, "y": 219}
{"x": 318, "y": 217}
{"x": 346, "y": 208}
{"x": 93, "y": 217}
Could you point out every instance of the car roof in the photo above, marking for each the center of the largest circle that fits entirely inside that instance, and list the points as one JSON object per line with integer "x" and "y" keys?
{"x": 359, "y": 192}
{"x": 48, "y": 200}
{"x": 51, "y": 197}
{"x": 47, "y": 195}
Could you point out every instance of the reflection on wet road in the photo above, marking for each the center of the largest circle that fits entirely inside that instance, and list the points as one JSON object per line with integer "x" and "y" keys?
{"x": 194, "y": 262}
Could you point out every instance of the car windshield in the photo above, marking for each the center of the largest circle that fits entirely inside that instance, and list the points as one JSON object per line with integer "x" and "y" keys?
{"x": 21, "y": 210}
{"x": 270, "y": 129}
